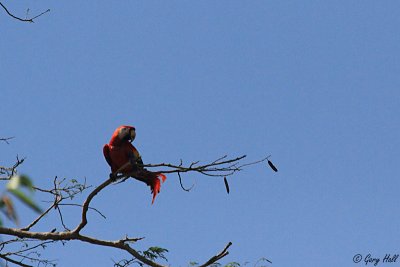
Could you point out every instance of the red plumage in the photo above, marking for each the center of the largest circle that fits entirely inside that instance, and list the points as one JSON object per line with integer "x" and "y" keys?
{"x": 119, "y": 151}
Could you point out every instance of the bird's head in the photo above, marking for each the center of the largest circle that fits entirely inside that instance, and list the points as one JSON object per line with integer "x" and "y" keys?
{"x": 123, "y": 134}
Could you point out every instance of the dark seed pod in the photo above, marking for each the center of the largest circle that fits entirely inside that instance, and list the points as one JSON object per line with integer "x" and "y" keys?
{"x": 272, "y": 166}
{"x": 226, "y": 185}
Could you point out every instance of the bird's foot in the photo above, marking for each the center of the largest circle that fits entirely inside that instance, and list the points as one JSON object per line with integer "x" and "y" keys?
{"x": 113, "y": 176}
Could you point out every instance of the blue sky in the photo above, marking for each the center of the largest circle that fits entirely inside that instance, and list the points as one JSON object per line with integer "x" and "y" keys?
{"x": 313, "y": 83}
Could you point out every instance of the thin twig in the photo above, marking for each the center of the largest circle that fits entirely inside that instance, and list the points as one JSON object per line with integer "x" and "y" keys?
{"x": 217, "y": 257}
{"x": 127, "y": 239}
{"x": 20, "y": 19}
{"x": 44, "y": 12}
{"x": 79, "y": 205}
{"x": 87, "y": 202}
{"x": 35, "y": 259}
{"x": 14, "y": 261}
{"x": 180, "y": 181}
{"x": 6, "y": 138}
{"x": 253, "y": 163}
{"x": 61, "y": 218}
{"x": 204, "y": 169}
{"x": 262, "y": 259}
{"x": 42, "y": 244}
{"x": 27, "y": 228}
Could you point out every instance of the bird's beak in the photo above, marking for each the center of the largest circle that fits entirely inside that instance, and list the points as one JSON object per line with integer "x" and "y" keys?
{"x": 133, "y": 135}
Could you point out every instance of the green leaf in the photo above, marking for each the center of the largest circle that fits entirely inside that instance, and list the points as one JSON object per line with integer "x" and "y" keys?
{"x": 153, "y": 253}
{"x": 28, "y": 201}
{"x": 13, "y": 183}
{"x": 26, "y": 182}
{"x": 20, "y": 181}
{"x": 1, "y": 222}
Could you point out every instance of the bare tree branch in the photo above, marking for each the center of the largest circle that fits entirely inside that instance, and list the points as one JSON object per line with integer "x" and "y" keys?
{"x": 34, "y": 257}
{"x": 6, "y": 138}
{"x": 79, "y": 205}
{"x": 20, "y": 19}
{"x": 14, "y": 261}
{"x": 180, "y": 181}
{"x": 41, "y": 244}
{"x": 69, "y": 192}
{"x": 222, "y": 166}
{"x": 87, "y": 202}
{"x": 27, "y": 228}
{"x": 125, "y": 262}
{"x": 218, "y": 167}
{"x": 73, "y": 235}
{"x": 10, "y": 171}
{"x": 61, "y": 219}
{"x": 217, "y": 257}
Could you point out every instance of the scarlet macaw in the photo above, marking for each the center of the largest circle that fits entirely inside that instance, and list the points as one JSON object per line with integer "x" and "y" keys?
{"x": 124, "y": 158}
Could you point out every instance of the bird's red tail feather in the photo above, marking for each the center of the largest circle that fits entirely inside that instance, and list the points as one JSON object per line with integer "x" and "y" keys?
{"x": 156, "y": 184}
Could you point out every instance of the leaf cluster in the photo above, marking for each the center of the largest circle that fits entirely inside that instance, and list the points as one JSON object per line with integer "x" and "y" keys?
{"x": 154, "y": 253}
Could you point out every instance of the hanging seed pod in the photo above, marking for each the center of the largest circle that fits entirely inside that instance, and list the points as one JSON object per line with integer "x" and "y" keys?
{"x": 226, "y": 184}
{"x": 272, "y": 166}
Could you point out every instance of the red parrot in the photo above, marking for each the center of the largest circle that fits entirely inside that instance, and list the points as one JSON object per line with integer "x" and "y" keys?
{"x": 124, "y": 158}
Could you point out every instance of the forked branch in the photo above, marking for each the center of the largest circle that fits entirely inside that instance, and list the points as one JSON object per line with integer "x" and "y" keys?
{"x": 6, "y": 139}
{"x": 220, "y": 167}
{"x": 21, "y": 19}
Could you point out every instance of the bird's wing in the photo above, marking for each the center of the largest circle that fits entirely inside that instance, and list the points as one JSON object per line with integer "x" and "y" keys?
{"x": 106, "y": 152}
